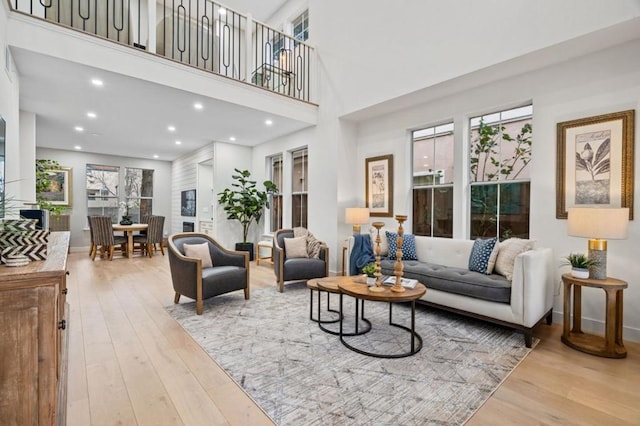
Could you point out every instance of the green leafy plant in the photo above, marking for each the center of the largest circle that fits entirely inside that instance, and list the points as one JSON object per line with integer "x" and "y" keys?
{"x": 43, "y": 182}
{"x": 369, "y": 269}
{"x": 244, "y": 202}
{"x": 581, "y": 261}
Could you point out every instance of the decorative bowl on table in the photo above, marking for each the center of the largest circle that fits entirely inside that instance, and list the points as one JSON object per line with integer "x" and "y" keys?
{"x": 16, "y": 260}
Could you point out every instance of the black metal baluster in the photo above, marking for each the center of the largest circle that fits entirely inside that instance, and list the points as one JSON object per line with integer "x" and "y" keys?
{"x": 184, "y": 11}
{"x": 84, "y": 18}
{"x": 197, "y": 29}
{"x": 204, "y": 52}
{"x": 188, "y": 44}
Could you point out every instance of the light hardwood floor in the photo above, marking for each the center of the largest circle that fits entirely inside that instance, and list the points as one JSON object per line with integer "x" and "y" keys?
{"x": 130, "y": 363}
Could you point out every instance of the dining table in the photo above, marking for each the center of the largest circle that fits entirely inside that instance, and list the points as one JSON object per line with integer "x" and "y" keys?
{"x": 128, "y": 231}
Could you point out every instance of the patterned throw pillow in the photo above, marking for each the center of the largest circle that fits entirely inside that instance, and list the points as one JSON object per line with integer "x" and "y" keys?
{"x": 480, "y": 254}
{"x": 408, "y": 246}
{"x": 509, "y": 250}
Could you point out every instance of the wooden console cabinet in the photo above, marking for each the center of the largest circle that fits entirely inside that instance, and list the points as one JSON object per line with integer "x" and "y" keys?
{"x": 33, "y": 338}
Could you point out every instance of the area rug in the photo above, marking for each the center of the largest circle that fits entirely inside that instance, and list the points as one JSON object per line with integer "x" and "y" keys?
{"x": 301, "y": 375}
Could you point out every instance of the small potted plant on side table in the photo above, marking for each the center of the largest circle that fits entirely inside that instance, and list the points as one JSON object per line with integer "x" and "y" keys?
{"x": 370, "y": 271}
{"x": 580, "y": 265}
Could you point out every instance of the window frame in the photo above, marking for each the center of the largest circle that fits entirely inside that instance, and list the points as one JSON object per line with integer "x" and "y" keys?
{"x": 302, "y": 194}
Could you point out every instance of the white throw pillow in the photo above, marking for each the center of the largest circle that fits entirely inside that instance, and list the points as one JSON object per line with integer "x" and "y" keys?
{"x": 296, "y": 247}
{"x": 199, "y": 251}
{"x": 384, "y": 243}
{"x": 493, "y": 258}
{"x": 509, "y": 250}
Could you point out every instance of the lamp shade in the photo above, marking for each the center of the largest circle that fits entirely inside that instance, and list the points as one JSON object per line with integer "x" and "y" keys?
{"x": 598, "y": 223}
{"x": 356, "y": 215}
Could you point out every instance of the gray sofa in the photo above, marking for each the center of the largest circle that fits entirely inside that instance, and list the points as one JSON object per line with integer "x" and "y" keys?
{"x": 442, "y": 266}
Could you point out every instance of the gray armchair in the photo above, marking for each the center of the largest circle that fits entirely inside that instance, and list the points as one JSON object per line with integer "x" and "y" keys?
{"x": 299, "y": 268}
{"x": 230, "y": 269}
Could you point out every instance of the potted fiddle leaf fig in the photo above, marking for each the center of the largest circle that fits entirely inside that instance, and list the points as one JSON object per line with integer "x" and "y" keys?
{"x": 245, "y": 202}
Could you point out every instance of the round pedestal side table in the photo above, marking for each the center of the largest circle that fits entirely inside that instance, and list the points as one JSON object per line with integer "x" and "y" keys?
{"x": 611, "y": 345}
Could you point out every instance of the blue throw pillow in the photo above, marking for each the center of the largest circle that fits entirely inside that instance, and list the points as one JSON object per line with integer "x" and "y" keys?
{"x": 408, "y": 246}
{"x": 480, "y": 254}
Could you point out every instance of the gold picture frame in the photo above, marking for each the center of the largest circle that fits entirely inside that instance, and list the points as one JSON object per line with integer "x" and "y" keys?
{"x": 595, "y": 162}
{"x": 60, "y": 189}
{"x": 379, "y": 185}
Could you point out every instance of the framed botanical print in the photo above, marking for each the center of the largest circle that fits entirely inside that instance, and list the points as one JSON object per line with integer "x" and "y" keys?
{"x": 379, "y": 185}
{"x": 59, "y": 191}
{"x": 595, "y": 162}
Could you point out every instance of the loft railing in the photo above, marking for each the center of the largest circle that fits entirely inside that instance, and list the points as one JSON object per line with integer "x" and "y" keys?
{"x": 198, "y": 33}
{"x": 282, "y": 62}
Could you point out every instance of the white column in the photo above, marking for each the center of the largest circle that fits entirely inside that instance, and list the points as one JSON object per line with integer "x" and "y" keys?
{"x": 151, "y": 8}
{"x": 27, "y": 156}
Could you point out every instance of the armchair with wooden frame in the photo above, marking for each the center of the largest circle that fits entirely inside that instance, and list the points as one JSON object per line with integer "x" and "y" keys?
{"x": 296, "y": 268}
{"x": 230, "y": 270}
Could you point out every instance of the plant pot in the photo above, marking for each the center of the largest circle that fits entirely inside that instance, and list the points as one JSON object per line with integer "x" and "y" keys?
{"x": 245, "y": 247}
{"x": 580, "y": 273}
{"x": 371, "y": 281}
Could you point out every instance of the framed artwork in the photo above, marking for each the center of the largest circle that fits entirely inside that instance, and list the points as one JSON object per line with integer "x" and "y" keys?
{"x": 188, "y": 203}
{"x": 595, "y": 162}
{"x": 59, "y": 191}
{"x": 379, "y": 185}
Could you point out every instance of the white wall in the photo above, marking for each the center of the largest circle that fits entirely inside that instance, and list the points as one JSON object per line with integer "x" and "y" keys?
{"x": 9, "y": 111}
{"x": 375, "y": 50}
{"x": 607, "y": 81}
{"x": 184, "y": 176}
{"x": 78, "y": 161}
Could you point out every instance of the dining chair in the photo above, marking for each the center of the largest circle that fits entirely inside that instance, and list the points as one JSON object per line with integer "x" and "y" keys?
{"x": 92, "y": 247}
{"x": 104, "y": 238}
{"x": 153, "y": 235}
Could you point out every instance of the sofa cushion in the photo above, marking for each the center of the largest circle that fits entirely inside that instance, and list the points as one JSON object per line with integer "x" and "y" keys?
{"x": 494, "y": 288}
{"x": 199, "y": 251}
{"x": 481, "y": 254}
{"x": 408, "y": 246}
{"x": 509, "y": 250}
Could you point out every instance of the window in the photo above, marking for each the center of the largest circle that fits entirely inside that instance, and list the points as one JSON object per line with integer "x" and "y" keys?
{"x": 499, "y": 173}
{"x": 276, "y": 199}
{"x": 299, "y": 189}
{"x": 433, "y": 181}
{"x": 301, "y": 26}
{"x": 102, "y": 191}
{"x": 138, "y": 188}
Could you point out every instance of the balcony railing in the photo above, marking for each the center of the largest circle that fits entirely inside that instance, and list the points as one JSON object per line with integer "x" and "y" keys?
{"x": 199, "y": 33}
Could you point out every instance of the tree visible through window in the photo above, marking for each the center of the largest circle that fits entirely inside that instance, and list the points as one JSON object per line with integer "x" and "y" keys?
{"x": 138, "y": 187}
{"x": 499, "y": 174}
{"x": 102, "y": 191}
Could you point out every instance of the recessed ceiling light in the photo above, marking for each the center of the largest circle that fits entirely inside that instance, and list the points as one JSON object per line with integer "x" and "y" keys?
{"x": 232, "y": 138}
{"x": 79, "y": 129}
{"x": 171, "y": 128}
{"x": 198, "y": 105}
{"x": 268, "y": 122}
{"x": 91, "y": 114}
{"x": 77, "y": 147}
{"x": 97, "y": 82}
{"x": 178, "y": 142}
{"x": 155, "y": 155}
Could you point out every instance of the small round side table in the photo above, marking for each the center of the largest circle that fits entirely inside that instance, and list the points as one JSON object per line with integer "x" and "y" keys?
{"x": 611, "y": 345}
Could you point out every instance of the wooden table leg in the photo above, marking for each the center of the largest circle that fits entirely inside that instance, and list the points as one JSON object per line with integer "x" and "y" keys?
{"x": 129, "y": 243}
{"x": 610, "y": 321}
{"x": 566, "y": 309}
{"x": 619, "y": 305}
{"x": 577, "y": 309}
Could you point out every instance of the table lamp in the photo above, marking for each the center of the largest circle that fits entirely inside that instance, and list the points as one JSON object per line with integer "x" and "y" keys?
{"x": 356, "y": 216}
{"x": 598, "y": 224}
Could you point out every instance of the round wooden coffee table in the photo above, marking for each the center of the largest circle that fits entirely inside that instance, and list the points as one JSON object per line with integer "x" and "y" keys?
{"x": 361, "y": 292}
{"x": 331, "y": 285}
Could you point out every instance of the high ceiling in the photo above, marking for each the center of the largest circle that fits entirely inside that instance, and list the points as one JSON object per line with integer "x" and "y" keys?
{"x": 133, "y": 115}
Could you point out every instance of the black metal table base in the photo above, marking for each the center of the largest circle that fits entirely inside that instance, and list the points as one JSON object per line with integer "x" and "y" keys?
{"x": 359, "y": 314}
{"x": 416, "y": 339}
{"x": 318, "y": 320}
